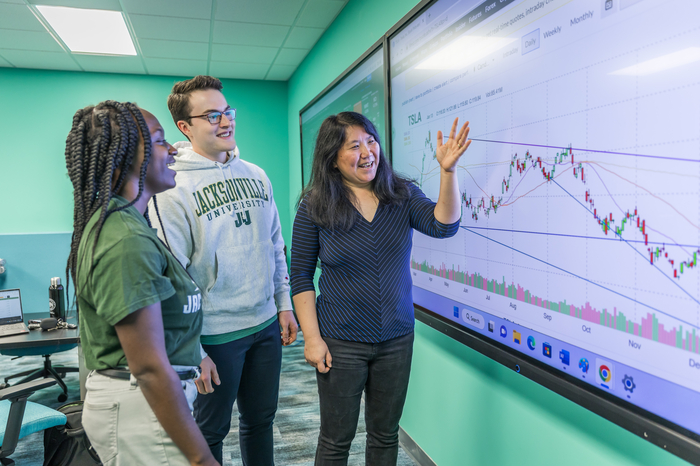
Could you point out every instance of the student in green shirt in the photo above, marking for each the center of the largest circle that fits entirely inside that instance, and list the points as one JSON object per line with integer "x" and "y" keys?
{"x": 139, "y": 311}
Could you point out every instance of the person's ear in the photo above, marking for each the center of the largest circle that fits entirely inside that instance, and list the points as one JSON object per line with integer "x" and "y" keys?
{"x": 184, "y": 128}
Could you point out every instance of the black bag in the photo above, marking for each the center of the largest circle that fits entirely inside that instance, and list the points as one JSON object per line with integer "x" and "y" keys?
{"x": 69, "y": 445}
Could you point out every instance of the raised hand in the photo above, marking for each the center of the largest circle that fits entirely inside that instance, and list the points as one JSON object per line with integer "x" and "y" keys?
{"x": 449, "y": 153}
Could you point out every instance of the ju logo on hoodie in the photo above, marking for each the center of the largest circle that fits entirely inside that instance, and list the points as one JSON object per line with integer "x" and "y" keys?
{"x": 243, "y": 219}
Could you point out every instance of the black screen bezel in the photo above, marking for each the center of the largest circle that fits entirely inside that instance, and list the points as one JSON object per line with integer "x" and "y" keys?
{"x": 356, "y": 64}
{"x": 14, "y": 320}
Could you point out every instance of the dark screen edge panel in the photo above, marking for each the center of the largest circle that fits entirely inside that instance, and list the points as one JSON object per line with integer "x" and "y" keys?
{"x": 373, "y": 48}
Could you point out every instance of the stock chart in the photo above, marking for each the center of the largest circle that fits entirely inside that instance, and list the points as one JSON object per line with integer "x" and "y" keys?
{"x": 580, "y": 193}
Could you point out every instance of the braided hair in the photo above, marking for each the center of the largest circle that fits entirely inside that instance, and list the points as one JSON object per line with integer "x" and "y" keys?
{"x": 103, "y": 138}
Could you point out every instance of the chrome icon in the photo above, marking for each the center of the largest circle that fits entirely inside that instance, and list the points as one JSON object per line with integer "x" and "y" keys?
{"x": 604, "y": 373}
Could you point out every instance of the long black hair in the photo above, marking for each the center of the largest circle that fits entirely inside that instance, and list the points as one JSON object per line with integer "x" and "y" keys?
{"x": 329, "y": 202}
{"x": 103, "y": 138}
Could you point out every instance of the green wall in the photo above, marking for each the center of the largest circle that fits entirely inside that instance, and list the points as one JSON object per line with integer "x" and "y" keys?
{"x": 37, "y": 110}
{"x": 463, "y": 408}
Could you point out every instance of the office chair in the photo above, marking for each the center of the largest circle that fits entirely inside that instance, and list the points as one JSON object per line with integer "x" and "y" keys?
{"x": 19, "y": 417}
{"x": 57, "y": 372}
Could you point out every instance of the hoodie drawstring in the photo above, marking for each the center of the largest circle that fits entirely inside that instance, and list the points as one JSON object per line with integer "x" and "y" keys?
{"x": 223, "y": 175}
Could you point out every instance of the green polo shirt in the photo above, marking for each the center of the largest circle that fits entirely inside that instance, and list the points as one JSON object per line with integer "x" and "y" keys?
{"x": 130, "y": 269}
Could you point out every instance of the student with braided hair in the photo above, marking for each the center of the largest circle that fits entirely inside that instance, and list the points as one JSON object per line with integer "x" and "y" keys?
{"x": 138, "y": 308}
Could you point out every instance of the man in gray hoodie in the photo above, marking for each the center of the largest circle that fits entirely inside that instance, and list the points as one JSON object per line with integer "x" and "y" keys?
{"x": 222, "y": 224}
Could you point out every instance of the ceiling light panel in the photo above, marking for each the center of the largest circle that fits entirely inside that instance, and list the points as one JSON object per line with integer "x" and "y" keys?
{"x": 90, "y": 31}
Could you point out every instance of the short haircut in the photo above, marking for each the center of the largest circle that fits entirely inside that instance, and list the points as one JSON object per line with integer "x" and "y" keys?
{"x": 179, "y": 98}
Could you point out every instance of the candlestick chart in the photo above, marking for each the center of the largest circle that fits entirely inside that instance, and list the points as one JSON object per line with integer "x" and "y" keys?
{"x": 611, "y": 215}
{"x": 629, "y": 227}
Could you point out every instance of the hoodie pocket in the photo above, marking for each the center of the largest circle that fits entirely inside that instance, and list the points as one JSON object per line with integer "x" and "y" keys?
{"x": 243, "y": 277}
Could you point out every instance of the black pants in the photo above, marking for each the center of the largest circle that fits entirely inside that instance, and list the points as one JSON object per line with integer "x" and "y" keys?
{"x": 249, "y": 370}
{"x": 382, "y": 371}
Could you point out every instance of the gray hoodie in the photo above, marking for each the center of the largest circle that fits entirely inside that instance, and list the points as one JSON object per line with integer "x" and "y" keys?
{"x": 221, "y": 223}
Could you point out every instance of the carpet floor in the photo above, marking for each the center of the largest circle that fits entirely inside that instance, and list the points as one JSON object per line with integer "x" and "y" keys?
{"x": 296, "y": 424}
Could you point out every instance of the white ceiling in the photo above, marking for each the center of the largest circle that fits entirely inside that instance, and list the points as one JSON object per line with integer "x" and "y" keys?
{"x": 238, "y": 39}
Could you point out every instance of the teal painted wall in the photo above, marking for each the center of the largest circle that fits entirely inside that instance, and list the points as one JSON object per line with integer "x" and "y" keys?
{"x": 463, "y": 408}
{"x": 32, "y": 259}
{"x": 37, "y": 109}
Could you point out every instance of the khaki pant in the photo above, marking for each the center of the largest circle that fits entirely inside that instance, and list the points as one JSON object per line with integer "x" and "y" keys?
{"x": 122, "y": 426}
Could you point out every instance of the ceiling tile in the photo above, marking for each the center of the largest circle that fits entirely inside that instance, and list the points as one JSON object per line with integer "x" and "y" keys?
{"x": 90, "y": 4}
{"x": 303, "y": 38}
{"x": 40, "y": 60}
{"x": 201, "y": 9}
{"x": 181, "y": 29}
{"x": 28, "y": 40}
{"x": 237, "y": 70}
{"x": 174, "y": 49}
{"x": 174, "y": 36}
{"x": 13, "y": 16}
{"x": 110, "y": 64}
{"x": 264, "y": 35}
{"x": 291, "y": 56}
{"x": 259, "y": 11}
{"x": 320, "y": 13}
{"x": 280, "y": 72}
{"x": 172, "y": 67}
{"x": 243, "y": 54}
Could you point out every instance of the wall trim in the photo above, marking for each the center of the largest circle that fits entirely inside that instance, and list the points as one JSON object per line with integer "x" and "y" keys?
{"x": 70, "y": 232}
{"x": 413, "y": 450}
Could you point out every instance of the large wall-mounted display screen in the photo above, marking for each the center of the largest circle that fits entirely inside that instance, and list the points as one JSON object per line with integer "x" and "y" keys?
{"x": 580, "y": 230}
{"x": 360, "y": 90}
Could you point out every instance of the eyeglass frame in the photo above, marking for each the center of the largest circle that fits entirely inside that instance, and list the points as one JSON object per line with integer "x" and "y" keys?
{"x": 218, "y": 120}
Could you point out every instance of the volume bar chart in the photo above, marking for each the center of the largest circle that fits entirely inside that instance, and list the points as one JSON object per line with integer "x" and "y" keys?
{"x": 649, "y": 327}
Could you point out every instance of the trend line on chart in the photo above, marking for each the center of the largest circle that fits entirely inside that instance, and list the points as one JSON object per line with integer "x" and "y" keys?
{"x": 576, "y": 275}
{"x": 607, "y": 223}
{"x": 564, "y": 235}
{"x": 649, "y": 328}
{"x": 638, "y": 252}
{"x": 578, "y": 149}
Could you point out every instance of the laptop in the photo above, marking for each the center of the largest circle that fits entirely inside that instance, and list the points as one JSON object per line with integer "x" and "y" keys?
{"x": 11, "y": 317}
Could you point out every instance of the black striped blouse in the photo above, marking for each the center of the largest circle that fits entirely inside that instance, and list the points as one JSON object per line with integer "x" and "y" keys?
{"x": 365, "y": 285}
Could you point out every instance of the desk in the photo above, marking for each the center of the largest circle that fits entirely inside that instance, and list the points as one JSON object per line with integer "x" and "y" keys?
{"x": 40, "y": 342}
{"x": 45, "y": 342}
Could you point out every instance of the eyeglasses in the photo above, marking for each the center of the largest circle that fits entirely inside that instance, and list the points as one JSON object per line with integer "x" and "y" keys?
{"x": 215, "y": 117}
